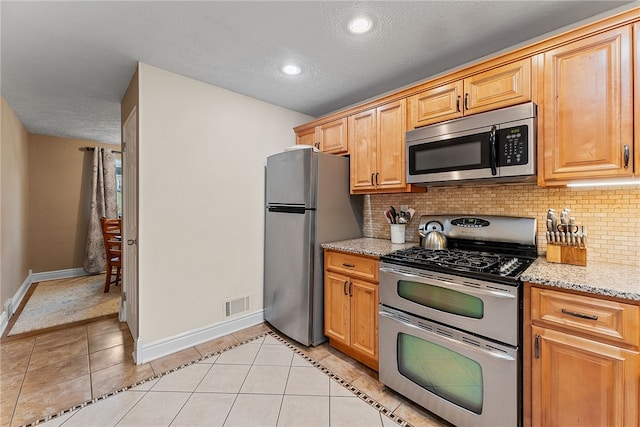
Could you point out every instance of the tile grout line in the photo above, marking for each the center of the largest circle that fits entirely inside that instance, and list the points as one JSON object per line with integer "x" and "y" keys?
{"x": 357, "y": 392}
{"x": 137, "y": 383}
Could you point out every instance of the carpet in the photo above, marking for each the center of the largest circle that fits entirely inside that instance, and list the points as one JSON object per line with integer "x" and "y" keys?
{"x": 63, "y": 301}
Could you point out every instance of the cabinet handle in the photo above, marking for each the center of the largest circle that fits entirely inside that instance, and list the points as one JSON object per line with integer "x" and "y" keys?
{"x": 377, "y": 177}
{"x": 580, "y": 315}
{"x": 536, "y": 347}
{"x": 458, "y": 104}
{"x": 344, "y": 288}
{"x": 466, "y": 101}
{"x": 372, "y": 179}
{"x": 626, "y": 156}
{"x": 317, "y": 145}
{"x": 348, "y": 265}
{"x": 350, "y": 288}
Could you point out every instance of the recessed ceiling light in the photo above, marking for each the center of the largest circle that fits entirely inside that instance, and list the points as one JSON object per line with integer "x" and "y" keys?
{"x": 291, "y": 69}
{"x": 360, "y": 25}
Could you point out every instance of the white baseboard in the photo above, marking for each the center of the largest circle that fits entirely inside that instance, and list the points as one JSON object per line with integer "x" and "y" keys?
{"x": 147, "y": 353}
{"x": 59, "y": 274}
{"x": 12, "y": 304}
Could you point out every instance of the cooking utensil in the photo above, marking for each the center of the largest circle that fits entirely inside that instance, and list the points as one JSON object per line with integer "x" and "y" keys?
{"x": 387, "y": 216}
{"x": 394, "y": 215}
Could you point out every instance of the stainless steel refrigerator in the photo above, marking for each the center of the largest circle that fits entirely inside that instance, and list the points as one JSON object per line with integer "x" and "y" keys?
{"x": 308, "y": 203}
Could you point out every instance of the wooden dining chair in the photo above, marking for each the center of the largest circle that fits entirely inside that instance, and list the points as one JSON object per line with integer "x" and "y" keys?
{"x": 112, "y": 235}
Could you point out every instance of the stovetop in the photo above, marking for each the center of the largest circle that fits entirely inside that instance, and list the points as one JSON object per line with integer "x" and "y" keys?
{"x": 503, "y": 268}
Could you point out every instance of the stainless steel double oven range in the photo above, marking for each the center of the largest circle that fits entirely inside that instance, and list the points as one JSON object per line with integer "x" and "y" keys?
{"x": 450, "y": 320}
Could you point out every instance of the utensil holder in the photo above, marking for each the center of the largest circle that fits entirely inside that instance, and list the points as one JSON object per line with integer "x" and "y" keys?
{"x": 573, "y": 255}
{"x": 397, "y": 233}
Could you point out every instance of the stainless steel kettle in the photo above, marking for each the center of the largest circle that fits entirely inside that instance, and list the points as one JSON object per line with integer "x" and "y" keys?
{"x": 432, "y": 237}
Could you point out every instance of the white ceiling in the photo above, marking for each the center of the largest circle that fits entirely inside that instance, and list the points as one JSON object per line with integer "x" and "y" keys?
{"x": 66, "y": 65}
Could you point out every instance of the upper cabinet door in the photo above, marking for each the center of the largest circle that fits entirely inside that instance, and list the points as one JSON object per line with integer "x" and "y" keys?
{"x": 333, "y": 137}
{"x": 587, "y": 108}
{"x": 435, "y": 105}
{"x": 362, "y": 139}
{"x": 636, "y": 101}
{"x": 499, "y": 87}
{"x": 307, "y": 137}
{"x": 391, "y": 146}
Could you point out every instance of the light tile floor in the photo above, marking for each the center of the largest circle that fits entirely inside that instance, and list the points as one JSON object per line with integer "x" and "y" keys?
{"x": 265, "y": 381}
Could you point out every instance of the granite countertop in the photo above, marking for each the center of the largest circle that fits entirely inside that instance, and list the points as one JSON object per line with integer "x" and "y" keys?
{"x": 368, "y": 246}
{"x": 619, "y": 281}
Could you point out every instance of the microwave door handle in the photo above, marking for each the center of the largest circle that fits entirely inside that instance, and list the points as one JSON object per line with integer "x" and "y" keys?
{"x": 494, "y": 151}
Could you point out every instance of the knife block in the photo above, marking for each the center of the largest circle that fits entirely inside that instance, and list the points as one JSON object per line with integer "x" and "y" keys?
{"x": 573, "y": 255}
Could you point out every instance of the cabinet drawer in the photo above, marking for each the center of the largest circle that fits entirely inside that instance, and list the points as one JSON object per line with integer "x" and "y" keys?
{"x": 352, "y": 265}
{"x": 596, "y": 317}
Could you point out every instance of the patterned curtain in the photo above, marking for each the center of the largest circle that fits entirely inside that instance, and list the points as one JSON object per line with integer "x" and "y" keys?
{"x": 103, "y": 203}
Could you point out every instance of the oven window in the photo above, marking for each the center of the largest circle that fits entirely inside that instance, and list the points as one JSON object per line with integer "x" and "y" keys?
{"x": 441, "y": 371}
{"x": 442, "y": 299}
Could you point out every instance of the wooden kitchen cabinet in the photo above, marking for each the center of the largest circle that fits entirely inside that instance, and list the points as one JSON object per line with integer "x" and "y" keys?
{"x": 351, "y": 305}
{"x": 308, "y": 137}
{"x": 636, "y": 99}
{"x": 581, "y": 382}
{"x": 376, "y": 138}
{"x": 584, "y": 362}
{"x": 586, "y": 108}
{"x": 498, "y": 87}
{"x": 329, "y": 137}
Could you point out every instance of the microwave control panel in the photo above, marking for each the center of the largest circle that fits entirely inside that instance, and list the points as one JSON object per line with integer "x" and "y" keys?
{"x": 512, "y": 143}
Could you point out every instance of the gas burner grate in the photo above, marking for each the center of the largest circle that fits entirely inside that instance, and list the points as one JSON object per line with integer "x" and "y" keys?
{"x": 476, "y": 261}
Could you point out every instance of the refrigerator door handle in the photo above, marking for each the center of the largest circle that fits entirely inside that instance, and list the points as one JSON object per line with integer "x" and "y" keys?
{"x": 287, "y": 209}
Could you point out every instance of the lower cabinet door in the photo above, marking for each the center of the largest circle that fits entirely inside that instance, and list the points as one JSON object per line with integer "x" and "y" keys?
{"x": 364, "y": 318}
{"x": 337, "y": 309}
{"x": 580, "y": 382}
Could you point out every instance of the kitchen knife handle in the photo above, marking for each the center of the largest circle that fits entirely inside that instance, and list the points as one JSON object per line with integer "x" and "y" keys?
{"x": 494, "y": 151}
{"x": 458, "y": 104}
{"x": 626, "y": 156}
{"x": 536, "y": 347}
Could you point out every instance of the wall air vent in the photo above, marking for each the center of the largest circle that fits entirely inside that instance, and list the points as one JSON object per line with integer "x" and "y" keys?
{"x": 235, "y": 306}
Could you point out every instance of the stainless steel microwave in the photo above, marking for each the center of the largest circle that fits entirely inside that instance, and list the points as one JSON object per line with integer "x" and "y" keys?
{"x": 496, "y": 146}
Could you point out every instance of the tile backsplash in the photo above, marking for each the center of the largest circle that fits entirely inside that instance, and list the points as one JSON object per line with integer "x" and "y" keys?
{"x": 610, "y": 214}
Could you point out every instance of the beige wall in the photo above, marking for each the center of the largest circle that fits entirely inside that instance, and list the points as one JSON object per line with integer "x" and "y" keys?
{"x": 202, "y": 152}
{"x": 14, "y": 215}
{"x": 610, "y": 214}
{"x": 59, "y": 191}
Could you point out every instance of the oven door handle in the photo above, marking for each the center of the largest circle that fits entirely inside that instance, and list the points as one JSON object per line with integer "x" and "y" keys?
{"x": 449, "y": 342}
{"x": 451, "y": 285}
